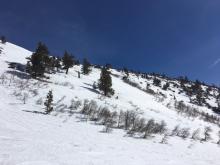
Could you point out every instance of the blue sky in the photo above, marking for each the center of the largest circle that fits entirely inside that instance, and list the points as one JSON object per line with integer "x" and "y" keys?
{"x": 175, "y": 37}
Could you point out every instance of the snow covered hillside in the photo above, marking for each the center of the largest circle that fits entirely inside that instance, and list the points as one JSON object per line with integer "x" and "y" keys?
{"x": 67, "y": 136}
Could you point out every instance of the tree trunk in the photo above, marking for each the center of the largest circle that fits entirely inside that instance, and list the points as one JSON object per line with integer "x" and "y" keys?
{"x": 67, "y": 70}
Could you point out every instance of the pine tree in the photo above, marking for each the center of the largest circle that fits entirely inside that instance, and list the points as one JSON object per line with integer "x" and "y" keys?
{"x": 157, "y": 82}
{"x": 39, "y": 61}
{"x": 105, "y": 82}
{"x": 68, "y": 61}
{"x": 86, "y": 67}
{"x": 3, "y": 39}
{"x": 58, "y": 63}
{"x": 125, "y": 70}
{"x": 48, "y": 103}
{"x": 166, "y": 86}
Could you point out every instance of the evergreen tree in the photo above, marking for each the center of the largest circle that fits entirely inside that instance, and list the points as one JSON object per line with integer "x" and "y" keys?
{"x": 125, "y": 70}
{"x": 3, "y": 39}
{"x": 198, "y": 92}
{"x": 86, "y": 67}
{"x": 49, "y": 64}
{"x": 68, "y": 61}
{"x": 199, "y": 98}
{"x": 48, "y": 103}
{"x": 105, "y": 82}
{"x": 196, "y": 87}
{"x": 58, "y": 63}
{"x": 166, "y": 86}
{"x": 156, "y": 82}
{"x": 39, "y": 61}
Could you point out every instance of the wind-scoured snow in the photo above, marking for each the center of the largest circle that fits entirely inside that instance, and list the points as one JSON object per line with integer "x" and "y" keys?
{"x": 28, "y": 137}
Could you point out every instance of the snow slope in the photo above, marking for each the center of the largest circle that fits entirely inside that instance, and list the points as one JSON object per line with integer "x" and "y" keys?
{"x": 28, "y": 138}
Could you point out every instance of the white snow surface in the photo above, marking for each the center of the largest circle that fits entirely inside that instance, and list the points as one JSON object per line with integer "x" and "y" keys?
{"x": 28, "y": 138}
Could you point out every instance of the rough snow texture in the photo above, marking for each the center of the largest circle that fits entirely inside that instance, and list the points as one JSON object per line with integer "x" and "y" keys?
{"x": 28, "y": 138}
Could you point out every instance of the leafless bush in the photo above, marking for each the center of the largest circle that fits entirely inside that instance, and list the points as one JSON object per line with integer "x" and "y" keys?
{"x": 195, "y": 134}
{"x": 105, "y": 116}
{"x": 65, "y": 84}
{"x": 16, "y": 93}
{"x": 120, "y": 123}
{"x": 3, "y": 78}
{"x": 183, "y": 133}
{"x": 164, "y": 140}
{"x": 138, "y": 126}
{"x": 192, "y": 112}
{"x": 175, "y": 131}
{"x": 107, "y": 128}
{"x": 25, "y": 97}
{"x": 207, "y": 135}
{"x": 149, "y": 128}
{"x": 150, "y": 91}
{"x": 218, "y": 142}
{"x": 75, "y": 104}
{"x": 39, "y": 101}
{"x": 34, "y": 92}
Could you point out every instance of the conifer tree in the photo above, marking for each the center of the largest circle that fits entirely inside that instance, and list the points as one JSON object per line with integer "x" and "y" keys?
{"x": 68, "y": 61}
{"x": 105, "y": 82}
{"x": 86, "y": 67}
{"x": 125, "y": 70}
{"x": 48, "y": 103}
{"x": 166, "y": 86}
{"x": 3, "y": 39}
{"x": 39, "y": 61}
{"x": 58, "y": 63}
{"x": 156, "y": 82}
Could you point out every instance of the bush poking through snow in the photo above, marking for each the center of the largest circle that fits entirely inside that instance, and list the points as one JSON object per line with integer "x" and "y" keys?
{"x": 135, "y": 125}
{"x": 39, "y": 101}
{"x": 218, "y": 142}
{"x": 207, "y": 135}
{"x": 184, "y": 133}
{"x": 175, "y": 131}
{"x": 48, "y": 103}
{"x": 164, "y": 140}
{"x": 195, "y": 134}
{"x": 75, "y": 104}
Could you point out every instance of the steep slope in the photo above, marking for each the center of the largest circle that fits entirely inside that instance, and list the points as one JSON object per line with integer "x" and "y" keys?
{"x": 27, "y": 136}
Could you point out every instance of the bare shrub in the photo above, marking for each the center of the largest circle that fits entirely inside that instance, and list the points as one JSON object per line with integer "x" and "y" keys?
{"x": 183, "y": 133}
{"x": 120, "y": 123}
{"x": 34, "y": 92}
{"x": 39, "y": 101}
{"x": 137, "y": 126}
{"x": 218, "y": 142}
{"x": 175, "y": 131}
{"x": 25, "y": 97}
{"x": 195, "y": 134}
{"x": 148, "y": 129}
{"x": 207, "y": 134}
{"x": 75, "y": 104}
{"x": 107, "y": 128}
{"x": 164, "y": 140}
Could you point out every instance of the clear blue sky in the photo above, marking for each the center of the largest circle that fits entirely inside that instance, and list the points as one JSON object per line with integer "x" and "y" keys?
{"x": 176, "y": 37}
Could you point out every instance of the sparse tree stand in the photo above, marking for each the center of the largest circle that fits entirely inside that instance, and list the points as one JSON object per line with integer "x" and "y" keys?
{"x": 105, "y": 82}
{"x": 68, "y": 61}
{"x": 48, "y": 103}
